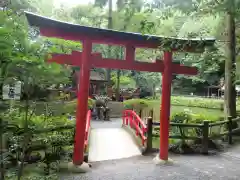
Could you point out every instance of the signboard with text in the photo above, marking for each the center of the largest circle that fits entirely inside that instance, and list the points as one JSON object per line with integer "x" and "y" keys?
{"x": 12, "y": 91}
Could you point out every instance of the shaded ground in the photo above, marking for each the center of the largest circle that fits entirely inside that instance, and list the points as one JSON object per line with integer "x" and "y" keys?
{"x": 219, "y": 167}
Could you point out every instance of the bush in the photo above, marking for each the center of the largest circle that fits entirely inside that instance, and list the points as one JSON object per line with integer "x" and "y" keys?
{"x": 182, "y": 117}
{"x": 187, "y": 116}
{"x": 136, "y": 104}
{"x": 17, "y": 117}
{"x": 195, "y": 102}
{"x": 184, "y": 146}
{"x": 59, "y": 108}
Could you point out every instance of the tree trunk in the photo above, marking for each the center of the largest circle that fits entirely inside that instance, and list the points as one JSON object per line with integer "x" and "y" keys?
{"x": 110, "y": 26}
{"x": 154, "y": 91}
{"x": 120, "y": 55}
{"x": 118, "y": 84}
{"x": 230, "y": 91}
{"x": 3, "y": 74}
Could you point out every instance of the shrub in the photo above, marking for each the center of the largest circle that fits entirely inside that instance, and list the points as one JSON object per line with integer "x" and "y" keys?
{"x": 59, "y": 108}
{"x": 35, "y": 121}
{"x": 195, "y": 102}
{"x": 72, "y": 105}
{"x": 182, "y": 117}
{"x": 135, "y": 104}
{"x": 187, "y": 116}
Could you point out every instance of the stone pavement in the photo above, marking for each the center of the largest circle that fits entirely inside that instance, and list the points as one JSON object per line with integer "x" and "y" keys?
{"x": 217, "y": 167}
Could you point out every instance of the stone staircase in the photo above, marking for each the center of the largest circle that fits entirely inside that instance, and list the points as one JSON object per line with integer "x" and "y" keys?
{"x": 116, "y": 109}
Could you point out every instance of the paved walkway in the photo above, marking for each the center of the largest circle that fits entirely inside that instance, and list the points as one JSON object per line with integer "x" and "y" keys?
{"x": 218, "y": 167}
{"x": 109, "y": 141}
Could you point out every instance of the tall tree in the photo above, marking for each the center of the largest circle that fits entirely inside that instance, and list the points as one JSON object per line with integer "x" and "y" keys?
{"x": 230, "y": 70}
{"x": 230, "y": 9}
{"x": 110, "y": 26}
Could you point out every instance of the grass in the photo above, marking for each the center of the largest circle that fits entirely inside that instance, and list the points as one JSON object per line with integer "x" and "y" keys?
{"x": 156, "y": 142}
{"x": 208, "y": 113}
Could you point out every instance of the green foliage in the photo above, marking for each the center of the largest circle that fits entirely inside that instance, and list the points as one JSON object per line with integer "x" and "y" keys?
{"x": 187, "y": 116}
{"x": 148, "y": 80}
{"x": 135, "y": 104}
{"x": 91, "y": 103}
{"x": 209, "y": 103}
{"x": 202, "y": 108}
{"x": 17, "y": 116}
{"x": 197, "y": 102}
{"x": 125, "y": 81}
{"x": 58, "y": 108}
{"x": 42, "y": 133}
{"x": 182, "y": 117}
{"x": 23, "y": 56}
{"x": 31, "y": 176}
{"x": 71, "y": 107}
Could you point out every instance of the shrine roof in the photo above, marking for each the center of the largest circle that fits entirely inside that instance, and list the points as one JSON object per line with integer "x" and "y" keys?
{"x": 68, "y": 31}
{"x": 94, "y": 75}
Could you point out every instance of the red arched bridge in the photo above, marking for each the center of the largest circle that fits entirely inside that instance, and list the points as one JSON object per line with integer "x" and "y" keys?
{"x": 119, "y": 138}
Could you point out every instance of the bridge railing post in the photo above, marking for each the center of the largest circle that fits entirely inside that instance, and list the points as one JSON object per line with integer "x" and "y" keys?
{"x": 230, "y": 128}
{"x": 205, "y": 137}
{"x": 140, "y": 113}
{"x": 126, "y": 118}
{"x": 149, "y": 134}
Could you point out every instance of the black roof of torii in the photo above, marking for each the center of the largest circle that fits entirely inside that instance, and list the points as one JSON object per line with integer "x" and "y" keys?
{"x": 197, "y": 44}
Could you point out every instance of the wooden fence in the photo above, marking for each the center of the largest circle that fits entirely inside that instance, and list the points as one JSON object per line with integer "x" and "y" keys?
{"x": 204, "y": 128}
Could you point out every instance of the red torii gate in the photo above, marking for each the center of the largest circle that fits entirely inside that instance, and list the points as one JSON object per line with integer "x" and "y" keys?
{"x": 86, "y": 60}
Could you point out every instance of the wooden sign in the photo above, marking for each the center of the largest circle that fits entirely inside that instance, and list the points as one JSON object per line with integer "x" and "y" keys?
{"x": 12, "y": 92}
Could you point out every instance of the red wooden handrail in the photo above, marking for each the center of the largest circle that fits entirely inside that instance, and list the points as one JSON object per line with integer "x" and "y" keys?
{"x": 87, "y": 128}
{"x": 132, "y": 119}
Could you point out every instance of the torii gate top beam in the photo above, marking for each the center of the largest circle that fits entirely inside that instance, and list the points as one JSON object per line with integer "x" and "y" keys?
{"x": 53, "y": 28}
{"x": 75, "y": 59}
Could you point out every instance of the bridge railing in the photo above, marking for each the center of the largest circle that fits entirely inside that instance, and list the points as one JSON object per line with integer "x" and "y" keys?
{"x": 132, "y": 119}
{"x": 87, "y": 130}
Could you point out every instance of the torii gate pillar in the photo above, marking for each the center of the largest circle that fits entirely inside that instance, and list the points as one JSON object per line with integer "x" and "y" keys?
{"x": 165, "y": 105}
{"x": 82, "y": 103}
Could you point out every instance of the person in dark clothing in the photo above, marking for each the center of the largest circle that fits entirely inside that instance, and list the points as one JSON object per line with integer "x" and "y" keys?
{"x": 121, "y": 98}
{"x": 113, "y": 97}
{"x": 99, "y": 104}
{"x": 101, "y": 107}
